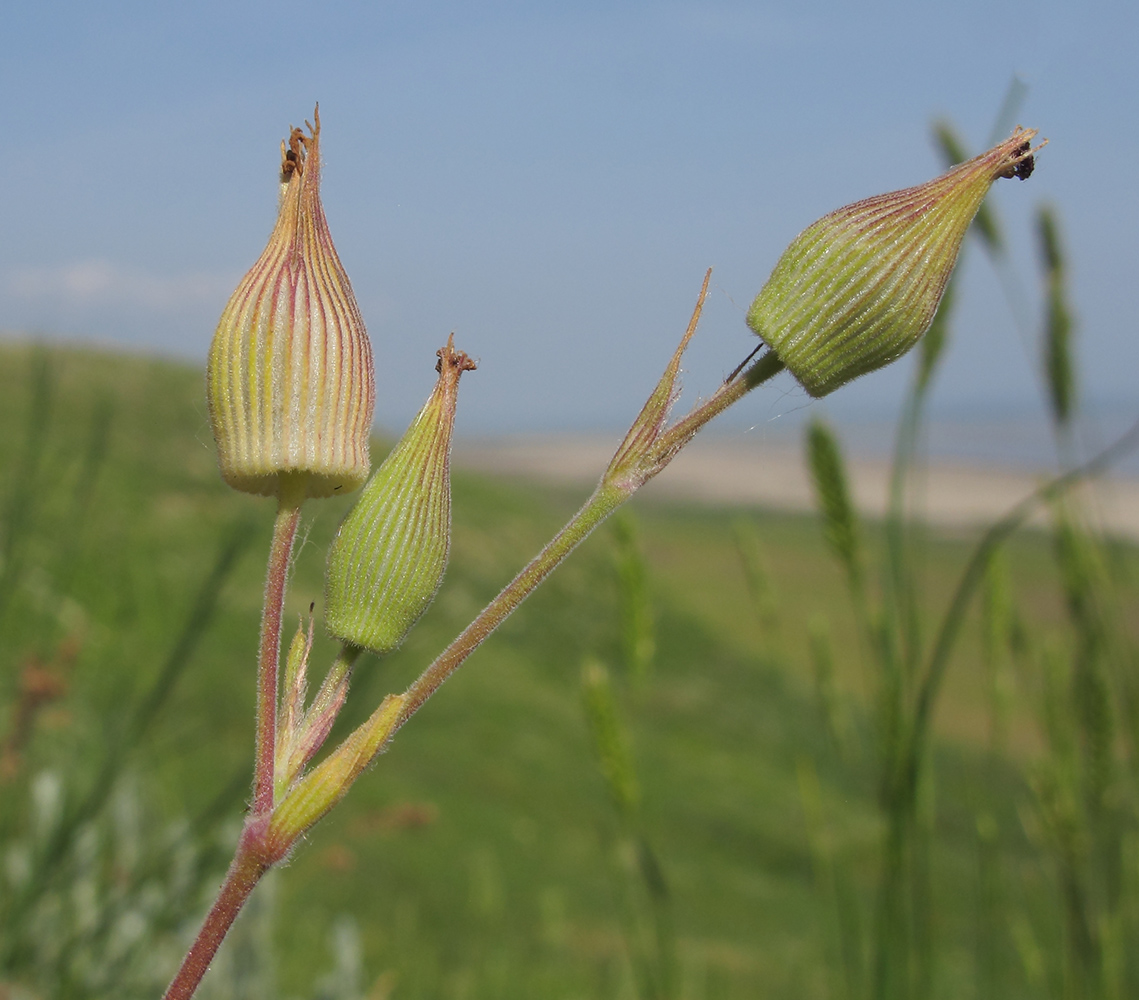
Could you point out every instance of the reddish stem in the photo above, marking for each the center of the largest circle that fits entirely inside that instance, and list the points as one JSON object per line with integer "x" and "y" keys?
{"x": 244, "y": 873}
{"x": 255, "y": 854}
{"x": 268, "y": 660}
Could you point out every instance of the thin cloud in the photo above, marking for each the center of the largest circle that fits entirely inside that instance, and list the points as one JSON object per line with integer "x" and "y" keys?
{"x": 104, "y": 282}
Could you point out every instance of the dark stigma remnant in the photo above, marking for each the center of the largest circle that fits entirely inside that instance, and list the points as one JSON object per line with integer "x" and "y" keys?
{"x": 1024, "y": 168}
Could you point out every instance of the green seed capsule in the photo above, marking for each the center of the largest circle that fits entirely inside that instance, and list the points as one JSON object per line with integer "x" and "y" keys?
{"x": 857, "y": 289}
{"x": 289, "y": 384}
{"x": 387, "y": 560}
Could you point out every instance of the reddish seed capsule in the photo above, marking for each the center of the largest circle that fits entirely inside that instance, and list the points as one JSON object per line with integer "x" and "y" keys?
{"x": 290, "y": 384}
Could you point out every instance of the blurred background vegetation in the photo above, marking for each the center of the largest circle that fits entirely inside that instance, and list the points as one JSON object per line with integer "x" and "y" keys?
{"x": 483, "y": 857}
{"x": 721, "y": 753}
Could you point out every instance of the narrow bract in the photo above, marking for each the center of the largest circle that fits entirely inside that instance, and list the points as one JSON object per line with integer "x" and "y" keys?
{"x": 857, "y": 289}
{"x": 290, "y": 384}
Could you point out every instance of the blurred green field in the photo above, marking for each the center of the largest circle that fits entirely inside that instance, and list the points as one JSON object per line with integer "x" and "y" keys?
{"x": 473, "y": 856}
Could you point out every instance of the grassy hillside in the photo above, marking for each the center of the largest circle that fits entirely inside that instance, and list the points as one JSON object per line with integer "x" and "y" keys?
{"x": 476, "y": 857}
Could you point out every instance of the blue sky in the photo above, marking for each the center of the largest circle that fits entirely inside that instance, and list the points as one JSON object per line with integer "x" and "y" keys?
{"x": 551, "y": 180}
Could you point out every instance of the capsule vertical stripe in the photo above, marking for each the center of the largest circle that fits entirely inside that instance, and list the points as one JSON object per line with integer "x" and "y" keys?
{"x": 388, "y": 558}
{"x": 290, "y": 381}
{"x": 857, "y": 289}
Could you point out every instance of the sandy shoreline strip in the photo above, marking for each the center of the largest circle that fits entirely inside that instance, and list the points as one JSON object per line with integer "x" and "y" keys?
{"x": 735, "y": 472}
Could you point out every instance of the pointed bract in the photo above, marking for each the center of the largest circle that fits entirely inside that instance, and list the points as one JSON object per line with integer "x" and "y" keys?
{"x": 290, "y": 384}
{"x": 857, "y": 289}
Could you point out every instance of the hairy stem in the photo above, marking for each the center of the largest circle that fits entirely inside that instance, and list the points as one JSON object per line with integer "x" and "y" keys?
{"x": 291, "y": 497}
{"x": 252, "y": 860}
{"x": 604, "y": 501}
{"x": 596, "y": 509}
{"x": 766, "y": 367}
{"x": 244, "y": 873}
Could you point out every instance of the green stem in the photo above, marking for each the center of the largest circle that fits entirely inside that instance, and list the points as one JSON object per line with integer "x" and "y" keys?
{"x": 605, "y": 500}
{"x": 684, "y": 430}
{"x": 292, "y": 493}
{"x": 597, "y": 508}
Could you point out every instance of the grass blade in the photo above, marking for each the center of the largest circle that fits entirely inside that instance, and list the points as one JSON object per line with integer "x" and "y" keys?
{"x": 1059, "y": 368}
{"x": 832, "y": 492}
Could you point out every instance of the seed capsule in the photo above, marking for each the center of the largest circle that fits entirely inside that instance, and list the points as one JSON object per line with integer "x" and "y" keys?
{"x": 289, "y": 383}
{"x": 387, "y": 560}
{"x": 857, "y": 289}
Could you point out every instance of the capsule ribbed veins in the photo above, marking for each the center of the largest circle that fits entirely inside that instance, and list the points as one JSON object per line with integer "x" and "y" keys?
{"x": 857, "y": 289}
{"x": 290, "y": 383}
{"x": 388, "y": 558}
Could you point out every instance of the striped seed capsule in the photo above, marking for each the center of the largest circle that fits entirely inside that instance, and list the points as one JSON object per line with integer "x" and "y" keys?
{"x": 857, "y": 289}
{"x": 387, "y": 560}
{"x": 289, "y": 383}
